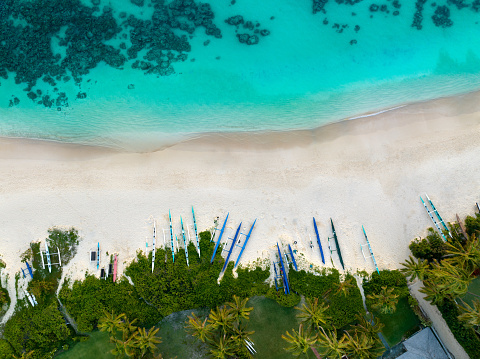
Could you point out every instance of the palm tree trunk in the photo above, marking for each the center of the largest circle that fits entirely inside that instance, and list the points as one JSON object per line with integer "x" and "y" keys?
{"x": 316, "y": 353}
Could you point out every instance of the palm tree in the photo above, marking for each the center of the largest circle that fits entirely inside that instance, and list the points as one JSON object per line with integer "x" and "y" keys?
{"x": 299, "y": 341}
{"x": 110, "y": 322}
{"x": 312, "y": 314}
{"x": 128, "y": 328}
{"x": 223, "y": 348}
{"x": 361, "y": 346}
{"x": 470, "y": 315}
{"x": 434, "y": 294}
{"x": 369, "y": 325}
{"x": 199, "y": 329}
{"x": 468, "y": 256}
{"x": 145, "y": 341}
{"x": 385, "y": 301}
{"x": 344, "y": 287}
{"x": 238, "y": 308}
{"x": 415, "y": 269}
{"x": 240, "y": 334}
{"x": 123, "y": 347}
{"x": 446, "y": 275}
{"x": 331, "y": 346}
{"x": 221, "y": 318}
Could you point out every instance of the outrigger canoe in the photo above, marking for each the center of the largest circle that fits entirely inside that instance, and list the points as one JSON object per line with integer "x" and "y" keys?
{"x": 336, "y": 244}
{"x": 219, "y": 239}
{"x": 196, "y": 232}
{"x": 231, "y": 247}
{"x": 245, "y": 243}
{"x": 318, "y": 240}
{"x": 171, "y": 236}
{"x": 293, "y": 258}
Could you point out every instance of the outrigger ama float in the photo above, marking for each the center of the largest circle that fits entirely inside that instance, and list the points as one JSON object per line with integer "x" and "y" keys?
{"x": 245, "y": 243}
{"x": 231, "y": 247}
{"x": 196, "y": 232}
{"x": 370, "y": 249}
{"x": 184, "y": 241}
{"x": 219, "y": 239}
{"x": 171, "y": 236}
{"x": 153, "y": 244}
{"x": 437, "y": 224}
{"x": 294, "y": 262}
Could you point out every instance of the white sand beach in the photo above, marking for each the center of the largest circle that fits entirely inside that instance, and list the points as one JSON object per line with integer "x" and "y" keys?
{"x": 368, "y": 171}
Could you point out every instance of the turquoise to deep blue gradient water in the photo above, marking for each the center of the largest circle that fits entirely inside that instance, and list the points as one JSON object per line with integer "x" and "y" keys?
{"x": 304, "y": 74}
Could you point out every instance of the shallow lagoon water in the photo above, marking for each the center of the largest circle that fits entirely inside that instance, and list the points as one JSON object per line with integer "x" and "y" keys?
{"x": 303, "y": 75}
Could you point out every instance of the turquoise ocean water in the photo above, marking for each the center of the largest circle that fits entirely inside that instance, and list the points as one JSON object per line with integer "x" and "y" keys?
{"x": 304, "y": 74}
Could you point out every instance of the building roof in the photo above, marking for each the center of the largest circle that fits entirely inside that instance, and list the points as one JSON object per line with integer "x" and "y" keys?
{"x": 423, "y": 345}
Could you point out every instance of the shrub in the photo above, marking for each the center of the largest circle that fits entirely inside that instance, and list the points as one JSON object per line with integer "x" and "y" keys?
{"x": 6, "y": 350}
{"x": 386, "y": 278}
{"x": 172, "y": 287}
{"x": 285, "y": 300}
{"x": 311, "y": 285}
{"x": 430, "y": 248}
{"x": 87, "y": 300}
{"x": 472, "y": 224}
{"x": 342, "y": 309}
{"x": 466, "y": 337}
{"x": 176, "y": 286}
{"x": 4, "y": 297}
{"x": 39, "y": 328}
{"x": 65, "y": 240}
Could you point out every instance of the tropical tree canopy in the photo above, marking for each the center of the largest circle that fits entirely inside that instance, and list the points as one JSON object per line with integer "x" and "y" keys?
{"x": 385, "y": 301}
{"x": 415, "y": 269}
{"x": 300, "y": 342}
{"x": 312, "y": 314}
{"x": 470, "y": 315}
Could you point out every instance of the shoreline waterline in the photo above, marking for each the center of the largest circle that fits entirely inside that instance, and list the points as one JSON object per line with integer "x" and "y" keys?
{"x": 255, "y": 138}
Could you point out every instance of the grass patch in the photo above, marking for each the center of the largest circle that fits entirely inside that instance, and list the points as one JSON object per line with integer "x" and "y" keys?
{"x": 270, "y": 320}
{"x": 97, "y": 346}
{"x": 474, "y": 287}
{"x": 398, "y": 324}
{"x": 176, "y": 342}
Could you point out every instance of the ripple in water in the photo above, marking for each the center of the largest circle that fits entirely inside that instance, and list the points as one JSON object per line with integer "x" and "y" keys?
{"x": 139, "y": 74}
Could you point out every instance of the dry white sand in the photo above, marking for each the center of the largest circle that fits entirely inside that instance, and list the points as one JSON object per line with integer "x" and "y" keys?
{"x": 369, "y": 171}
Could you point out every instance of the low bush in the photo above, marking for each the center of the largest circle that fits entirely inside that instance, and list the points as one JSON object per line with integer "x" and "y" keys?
{"x": 87, "y": 300}
{"x": 386, "y": 278}
{"x": 40, "y": 328}
{"x": 6, "y": 350}
{"x": 285, "y": 300}
{"x": 342, "y": 308}
{"x": 472, "y": 224}
{"x": 466, "y": 337}
{"x": 430, "y": 248}
{"x": 172, "y": 287}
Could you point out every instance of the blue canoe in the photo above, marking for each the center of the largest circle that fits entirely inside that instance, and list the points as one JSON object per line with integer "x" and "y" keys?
{"x": 231, "y": 247}
{"x": 293, "y": 258}
{"x": 171, "y": 237}
{"x": 245, "y": 244}
{"x": 285, "y": 279}
{"x": 318, "y": 240}
{"x": 219, "y": 239}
